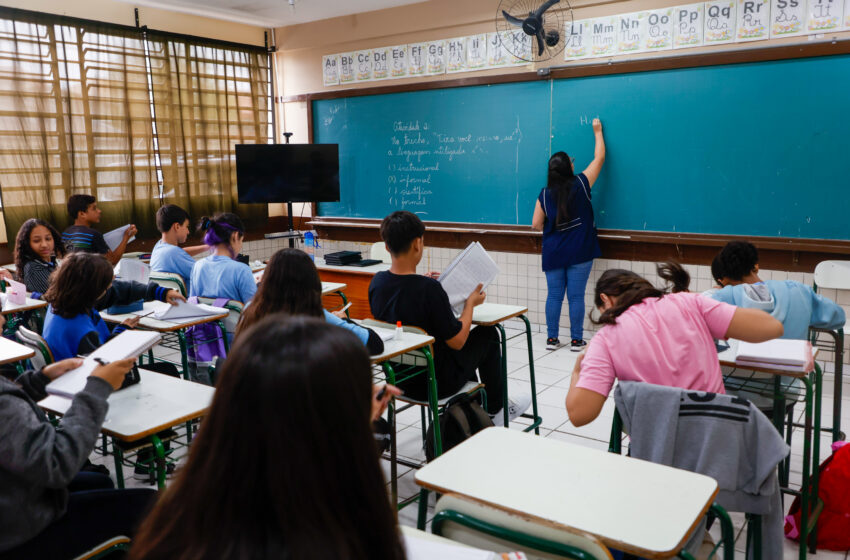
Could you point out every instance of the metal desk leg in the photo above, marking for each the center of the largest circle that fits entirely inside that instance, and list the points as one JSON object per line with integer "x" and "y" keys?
{"x": 184, "y": 353}
{"x": 344, "y": 302}
{"x": 503, "y": 342}
{"x": 537, "y": 419}
{"x": 158, "y": 460}
{"x": 839, "y": 373}
{"x": 118, "y": 455}
{"x": 812, "y": 541}
{"x": 807, "y": 459}
{"x": 391, "y": 418}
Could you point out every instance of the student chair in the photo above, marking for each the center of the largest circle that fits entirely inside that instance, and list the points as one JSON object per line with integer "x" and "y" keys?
{"x": 106, "y": 549}
{"x": 475, "y": 524}
{"x": 833, "y": 275}
{"x": 170, "y": 280}
{"x": 43, "y": 355}
{"x": 379, "y": 252}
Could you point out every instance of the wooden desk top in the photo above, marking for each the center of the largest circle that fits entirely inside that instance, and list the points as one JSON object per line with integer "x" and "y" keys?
{"x": 488, "y": 314}
{"x": 9, "y": 308}
{"x": 157, "y": 325}
{"x": 636, "y": 506}
{"x": 156, "y": 403}
{"x": 11, "y": 351}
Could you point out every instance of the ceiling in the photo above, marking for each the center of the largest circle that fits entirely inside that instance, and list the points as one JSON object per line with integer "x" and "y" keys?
{"x": 271, "y": 13}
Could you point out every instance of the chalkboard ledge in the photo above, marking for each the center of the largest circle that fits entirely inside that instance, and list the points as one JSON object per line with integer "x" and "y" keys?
{"x": 776, "y": 253}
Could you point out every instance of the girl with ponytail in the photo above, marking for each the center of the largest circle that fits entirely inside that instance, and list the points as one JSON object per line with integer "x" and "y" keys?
{"x": 219, "y": 275}
{"x": 661, "y": 336}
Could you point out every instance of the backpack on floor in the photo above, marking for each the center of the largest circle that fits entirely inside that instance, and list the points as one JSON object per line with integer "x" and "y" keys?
{"x": 833, "y": 489}
{"x": 460, "y": 419}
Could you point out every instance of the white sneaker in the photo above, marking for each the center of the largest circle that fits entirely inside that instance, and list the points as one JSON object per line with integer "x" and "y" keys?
{"x": 518, "y": 402}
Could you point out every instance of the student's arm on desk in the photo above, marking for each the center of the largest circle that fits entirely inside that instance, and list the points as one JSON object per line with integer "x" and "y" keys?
{"x": 476, "y": 298}
{"x": 592, "y": 171}
{"x": 583, "y": 405}
{"x": 753, "y": 325}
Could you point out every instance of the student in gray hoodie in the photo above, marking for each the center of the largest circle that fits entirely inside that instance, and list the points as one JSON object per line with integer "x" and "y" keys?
{"x": 47, "y": 509}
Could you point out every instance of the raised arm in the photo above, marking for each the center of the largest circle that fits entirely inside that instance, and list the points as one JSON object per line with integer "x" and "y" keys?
{"x": 592, "y": 171}
{"x": 753, "y": 325}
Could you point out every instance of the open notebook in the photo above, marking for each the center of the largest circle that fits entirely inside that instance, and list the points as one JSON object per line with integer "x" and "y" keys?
{"x": 471, "y": 267}
{"x": 781, "y": 353}
{"x": 128, "y": 344}
{"x": 184, "y": 310}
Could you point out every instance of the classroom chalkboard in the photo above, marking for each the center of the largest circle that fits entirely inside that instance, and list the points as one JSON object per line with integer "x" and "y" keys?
{"x": 746, "y": 149}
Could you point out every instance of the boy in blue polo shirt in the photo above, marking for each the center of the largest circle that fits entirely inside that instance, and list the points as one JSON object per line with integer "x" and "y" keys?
{"x": 167, "y": 256}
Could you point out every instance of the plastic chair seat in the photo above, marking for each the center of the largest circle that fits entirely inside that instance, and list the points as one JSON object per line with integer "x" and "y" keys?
{"x": 468, "y": 388}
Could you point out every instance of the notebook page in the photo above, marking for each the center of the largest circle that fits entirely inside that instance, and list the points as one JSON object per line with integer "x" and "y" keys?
{"x": 778, "y": 351}
{"x": 113, "y": 238}
{"x": 475, "y": 267}
{"x": 184, "y": 310}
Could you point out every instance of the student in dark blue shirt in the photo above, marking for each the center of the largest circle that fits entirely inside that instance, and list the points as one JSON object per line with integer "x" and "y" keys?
{"x": 82, "y": 208}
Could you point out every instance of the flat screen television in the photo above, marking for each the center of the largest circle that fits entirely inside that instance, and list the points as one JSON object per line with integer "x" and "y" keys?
{"x": 287, "y": 173}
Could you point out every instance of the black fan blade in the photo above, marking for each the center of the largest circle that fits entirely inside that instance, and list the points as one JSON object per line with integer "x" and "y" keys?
{"x": 511, "y": 19}
{"x": 540, "y": 43}
{"x": 546, "y": 5}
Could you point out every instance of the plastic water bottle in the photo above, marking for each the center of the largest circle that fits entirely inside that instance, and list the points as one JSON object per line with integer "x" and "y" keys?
{"x": 398, "y": 331}
{"x": 310, "y": 244}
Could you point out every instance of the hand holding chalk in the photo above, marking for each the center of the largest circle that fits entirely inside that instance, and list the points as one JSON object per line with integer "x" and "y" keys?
{"x": 597, "y": 125}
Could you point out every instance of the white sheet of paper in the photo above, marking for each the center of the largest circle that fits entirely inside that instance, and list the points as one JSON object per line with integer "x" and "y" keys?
{"x": 17, "y": 292}
{"x": 471, "y": 267}
{"x": 426, "y": 549}
{"x": 184, "y": 310}
{"x": 133, "y": 270}
{"x": 113, "y": 238}
{"x": 778, "y": 351}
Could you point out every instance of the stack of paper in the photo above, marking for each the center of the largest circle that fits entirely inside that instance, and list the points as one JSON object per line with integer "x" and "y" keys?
{"x": 471, "y": 267}
{"x": 184, "y": 310}
{"x": 128, "y": 344}
{"x": 781, "y": 353}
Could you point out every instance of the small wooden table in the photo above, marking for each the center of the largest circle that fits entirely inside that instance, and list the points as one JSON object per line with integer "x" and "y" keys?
{"x": 11, "y": 351}
{"x": 494, "y": 314}
{"x": 156, "y": 403}
{"x": 636, "y": 506}
{"x": 357, "y": 280}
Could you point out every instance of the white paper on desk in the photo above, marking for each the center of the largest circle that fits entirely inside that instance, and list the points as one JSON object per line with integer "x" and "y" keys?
{"x": 471, "y": 267}
{"x": 17, "y": 292}
{"x": 779, "y": 351}
{"x": 184, "y": 310}
{"x": 128, "y": 344}
{"x": 385, "y": 334}
{"x": 426, "y": 549}
{"x": 133, "y": 270}
{"x": 113, "y": 238}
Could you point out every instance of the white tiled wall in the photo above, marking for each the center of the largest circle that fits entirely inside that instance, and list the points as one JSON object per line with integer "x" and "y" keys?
{"x": 521, "y": 281}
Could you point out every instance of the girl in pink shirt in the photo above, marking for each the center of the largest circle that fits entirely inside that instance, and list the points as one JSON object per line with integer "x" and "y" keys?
{"x": 658, "y": 337}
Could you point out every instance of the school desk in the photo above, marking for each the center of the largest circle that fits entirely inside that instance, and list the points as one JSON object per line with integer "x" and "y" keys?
{"x": 810, "y": 504}
{"x": 357, "y": 280}
{"x": 156, "y": 403}
{"x": 11, "y": 351}
{"x": 177, "y": 326}
{"x": 28, "y": 305}
{"x": 494, "y": 314}
{"x": 636, "y": 506}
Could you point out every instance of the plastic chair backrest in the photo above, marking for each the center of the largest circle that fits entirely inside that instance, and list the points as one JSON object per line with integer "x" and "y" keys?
{"x": 379, "y": 252}
{"x": 235, "y": 311}
{"x": 833, "y": 275}
{"x": 489, "y": 528}
{"x": 43, "y": 355}
{"x": 170, "y": 280}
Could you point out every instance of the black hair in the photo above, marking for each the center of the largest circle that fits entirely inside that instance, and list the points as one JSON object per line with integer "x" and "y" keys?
{"x": 78, "y": 283}
{"x": 717, "y": 269}
{"x": 79, "y": 203}
{"x": 400, "y": 229}
{"x": 23, "y": 250}
{"x": 630, "y": 288}
{"x": 219, "y": 229}
{"x": 168, "y": 215}
{"x": 560, "y": 181}
{"x": 737, "y": 259}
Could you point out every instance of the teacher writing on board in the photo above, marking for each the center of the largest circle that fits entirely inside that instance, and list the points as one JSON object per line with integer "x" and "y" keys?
{"x": 565, "y": 216}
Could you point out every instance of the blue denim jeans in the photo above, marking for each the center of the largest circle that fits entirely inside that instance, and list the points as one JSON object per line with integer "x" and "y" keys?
{"x": 573, "y": 281}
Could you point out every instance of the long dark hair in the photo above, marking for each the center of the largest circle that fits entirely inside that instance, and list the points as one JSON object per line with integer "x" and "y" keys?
{"x": 560, "y": 181}
{"x": 219, "y": 229}
{"x": 78, "y": 283}
{"x": 290, "y": 285}
{"x": 630, "y": 288}
{"x": 23, "y": 251}
{"x": 285, "y": 463}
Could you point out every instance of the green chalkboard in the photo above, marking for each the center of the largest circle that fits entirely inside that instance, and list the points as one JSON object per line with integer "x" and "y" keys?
{"x": 747, "y": 149}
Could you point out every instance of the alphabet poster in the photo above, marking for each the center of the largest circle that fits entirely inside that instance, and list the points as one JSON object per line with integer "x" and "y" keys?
{"x": 720, "y": 18}
{"x": 346, "y": 68}
{"x": 787, "y": 18}
{"x": 380, "y": 64}
{"x": 629, "y": 33}
{"x": 456, "y": 55}
{"x": 363, "y": 66}
{"x": 497, "y": 55}
{"x": 657, "y": 30}
{"x": 417, "y": 59}
{"x": 476, "y": 52}
{"x": 753, "y": 18}
{"x": 518, "y": 45}
{"x": 577, "y": 40}
{"x": 688, "y": 26}
{"x": 330, "y": 70}
{"x": 603, "y": 36}
{"x": 398, "y": 61}
{"x": 436, "y": 58}
{"x": 824, "y": 15}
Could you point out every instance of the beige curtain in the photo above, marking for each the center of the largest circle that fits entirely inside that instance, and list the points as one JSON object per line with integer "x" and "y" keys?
{"x": 75, "y": 117}
{"x": 207, "y": 99}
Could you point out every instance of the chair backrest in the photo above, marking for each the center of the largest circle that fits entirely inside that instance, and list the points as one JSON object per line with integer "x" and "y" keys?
{"x": 170, "y": 280}
{"x": 233, "y": 307}
{"x": 43, "y": 355}
{"x": 379, "y": 252}
{"x": 469, "y": 522}
{"x": 833, "y": 275}
{"x": 106, "y": 548}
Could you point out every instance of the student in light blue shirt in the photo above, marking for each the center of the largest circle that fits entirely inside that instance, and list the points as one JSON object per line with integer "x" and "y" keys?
{"x": 291, "y": 286}
{"x": 167, "y": 256}
{"x": 220, "y": 275}
{"x": 796, "y": 305}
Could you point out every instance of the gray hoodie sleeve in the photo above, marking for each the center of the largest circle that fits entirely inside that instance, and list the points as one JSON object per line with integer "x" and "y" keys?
{"x": 40, "y": 453}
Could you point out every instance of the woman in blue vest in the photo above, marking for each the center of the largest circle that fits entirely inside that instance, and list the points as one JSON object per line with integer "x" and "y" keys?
{"x": 565, "y": 216}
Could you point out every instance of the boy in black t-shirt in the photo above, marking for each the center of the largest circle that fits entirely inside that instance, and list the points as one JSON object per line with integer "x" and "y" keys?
{"x": 82, "y": 237}
{"x": 401, "y": 294}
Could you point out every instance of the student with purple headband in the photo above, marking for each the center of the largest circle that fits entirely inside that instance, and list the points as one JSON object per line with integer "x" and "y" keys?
{"x": 220, "y": 275}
